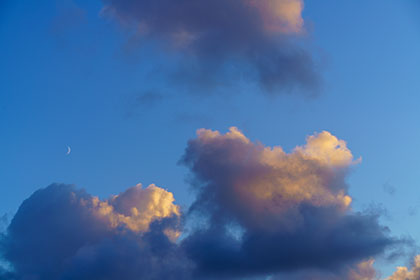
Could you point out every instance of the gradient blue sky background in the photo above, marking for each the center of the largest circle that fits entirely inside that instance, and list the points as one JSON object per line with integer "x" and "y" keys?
{"x": 69, "y": 76}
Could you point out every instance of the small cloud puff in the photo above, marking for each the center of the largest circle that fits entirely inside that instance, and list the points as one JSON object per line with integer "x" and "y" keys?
{"x": 137, "y": 208}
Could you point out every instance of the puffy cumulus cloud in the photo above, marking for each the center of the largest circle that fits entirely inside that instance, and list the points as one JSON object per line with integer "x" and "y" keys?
{"x": 268, "y": 180}
{"x": 137, "y": 208}
{"x": 269, "y": 211}
{"x": 61, "y": 232}
{"x": 252, "y": 40}
{"x": 403, "y": 273}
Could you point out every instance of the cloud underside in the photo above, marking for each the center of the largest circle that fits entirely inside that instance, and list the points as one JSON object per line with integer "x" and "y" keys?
{"x": 259, "y": 211}
{"x": 226, "y": 42}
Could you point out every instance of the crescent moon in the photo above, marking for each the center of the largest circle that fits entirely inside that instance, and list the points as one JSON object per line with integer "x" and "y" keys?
{"x": 68, "y": 150}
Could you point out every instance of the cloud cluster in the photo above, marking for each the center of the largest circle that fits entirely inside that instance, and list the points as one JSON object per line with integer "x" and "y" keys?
{"x": 259, "y": 211}
{"x": 252, "y": 40}
{"x": 270, "y": 211}
{"x": 61, "y": 232}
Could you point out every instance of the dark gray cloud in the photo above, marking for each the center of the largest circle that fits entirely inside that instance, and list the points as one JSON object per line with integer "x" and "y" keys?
{"x": 315, "y": 244}
{"x": 227, "y": 42}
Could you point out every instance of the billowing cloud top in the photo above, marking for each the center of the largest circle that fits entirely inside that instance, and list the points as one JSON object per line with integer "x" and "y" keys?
{"x": 270, "y": 211}
{"x": 226, "y": 39}
{"x": 267, "y": 180}
{"x": 137, "y": 208}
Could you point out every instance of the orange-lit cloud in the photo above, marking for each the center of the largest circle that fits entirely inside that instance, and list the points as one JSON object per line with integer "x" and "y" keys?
{"x": 273, "y": 182}
{"x": 288, "y": 211}
{"x": 363, "y": 271}
{"x": 284, "y": 16}
{"x": 136, "y": 208}
{"x": 404, "y": 273}
{"x": 366, "y": 271}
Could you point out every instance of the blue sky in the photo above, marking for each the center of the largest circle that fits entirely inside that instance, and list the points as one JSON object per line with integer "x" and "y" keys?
{"x": 71, "y": 76}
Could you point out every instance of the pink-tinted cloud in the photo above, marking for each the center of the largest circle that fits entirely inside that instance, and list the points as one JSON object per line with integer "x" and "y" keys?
{"x": 249, "y": 40}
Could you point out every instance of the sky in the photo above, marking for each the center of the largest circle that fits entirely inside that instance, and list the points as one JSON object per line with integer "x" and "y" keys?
{"x": 188, "y": 99}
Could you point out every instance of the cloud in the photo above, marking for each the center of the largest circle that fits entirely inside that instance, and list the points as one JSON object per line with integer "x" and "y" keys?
{"x": 4, "y": 221}
{"x": 389, "y": 188}
{"x": 61, "y": 232}
{"x": 403, "y": 273}
{"x": 366, "y": 271}
{"x": 149, "y": 98}
{"x": 259, "y": 211}
{"x": 360, "y": 271}
{"x": 269, "y": 211}
{"x": 257, "y": 41}
{"x": 363, "y": 271}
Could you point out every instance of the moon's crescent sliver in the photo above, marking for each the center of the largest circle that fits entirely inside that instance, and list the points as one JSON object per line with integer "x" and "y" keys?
{"x": 68, "y": 150}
